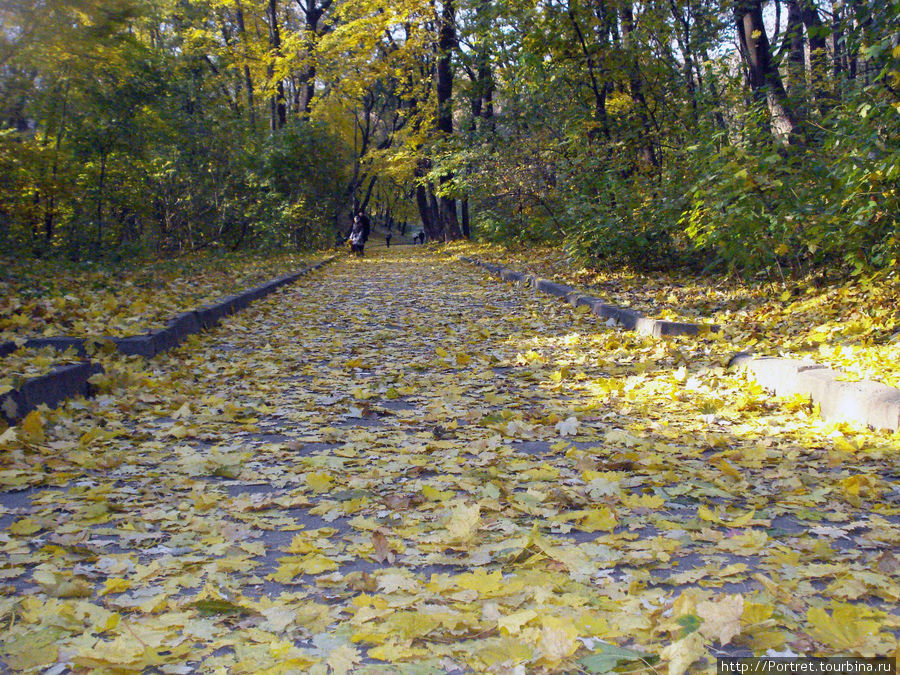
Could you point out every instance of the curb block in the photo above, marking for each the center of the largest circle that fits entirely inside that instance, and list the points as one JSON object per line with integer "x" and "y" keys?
{"x": 866, "y": 402}
{"x": 71, "y": 380}
{"x": 60, "y": 343}
{"x": 51, "y": 389}
{"x": 869, "y": 403}
{"x": 137, "y": 345}
{"x": 551, "y": 288}
{"x": 628, "y": 319}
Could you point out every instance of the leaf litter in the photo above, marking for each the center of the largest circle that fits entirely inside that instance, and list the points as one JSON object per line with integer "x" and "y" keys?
{"x": 399, "y": 465}
{"x": 852, "y": 324}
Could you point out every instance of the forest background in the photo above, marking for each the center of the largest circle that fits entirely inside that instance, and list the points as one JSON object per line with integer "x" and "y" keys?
{"x": 742, "y": 136}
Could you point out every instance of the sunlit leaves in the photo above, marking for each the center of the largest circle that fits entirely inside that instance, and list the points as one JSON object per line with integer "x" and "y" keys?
{"x": 408, "y": 509}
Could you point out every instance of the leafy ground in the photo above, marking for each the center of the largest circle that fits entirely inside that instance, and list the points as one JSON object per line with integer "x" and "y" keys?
{"x": 49, "y": 298}
{"x": 400, "y": 465}
{"x": 25, "y": 364}
{"x": 854, "y": 325}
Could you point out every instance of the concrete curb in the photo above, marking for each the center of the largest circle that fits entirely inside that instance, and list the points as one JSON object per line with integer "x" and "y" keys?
{"x": 869, "y": 403}
{"x": 59, "y": 384}
{"x": 626, "y": 318}
{"x": 70, "y": 381}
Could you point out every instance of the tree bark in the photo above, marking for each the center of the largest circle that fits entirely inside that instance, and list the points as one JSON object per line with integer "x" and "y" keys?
{"x": 278, "y": 107}
{"x": 599, "y": 89}
{"x": 816, "y": 31}
{"x": 248, "y": 80}
{"x": 792, "y": 47}
{"x": 765, "y": 81}
{"x": 429, "y": 217}
{"x": 446, "y": 43}
{"x": 101, "y": 184}
{"x": 647, "y": 153}
{"x": 312, "y": 12}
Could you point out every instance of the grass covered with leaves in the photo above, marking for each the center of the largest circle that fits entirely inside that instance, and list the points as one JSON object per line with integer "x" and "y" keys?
{"x": 852, "y": 324}
{"x": 399, "y": 465}
{"x": 52, "y": 298}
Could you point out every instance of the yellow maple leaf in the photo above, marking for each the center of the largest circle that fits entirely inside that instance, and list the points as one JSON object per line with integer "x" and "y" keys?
{"x": 433, "y": 494}
{"x": 115, "y": 585}
{"x": 25, "y": 526}
{"x": 748, "y": 543}
{"x": 33, "y": 426}
{"x": 683, "y": 653}
{"x": 394, "y": 651}
{"x": 342, "y": 659}
{"x": 722, "y": 618}
{"x": 705, "y": 513}
{"x": 847, "y": 628}
{"x": 464, "y": 522}
{"x": 302, "y": 543}
{"x": 505, "y": 650}
{"x": 644, "y": 501}
{"x": 598, "y": 519}
{"x": 725, "y": 467}
{"x": 484, "y": 582}
{"x": 860, "y": 483}
{"x": 124, "y": 651}
{"x": 320, "y": 482}
{"x": 756, "y": 613}
{"x": 558, "y": 641}
{"x": 291, "y": 567}
{"x": 512, "y": 623}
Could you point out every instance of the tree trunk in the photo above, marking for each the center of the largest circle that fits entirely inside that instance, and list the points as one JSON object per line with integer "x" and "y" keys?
{"x": 647, "y": 153}
{"x": 466, "y": 227}
{"x": 50, "y": 212}
{"x": 313, "y": 13}
{"x": 837, "y": 36}
{"x": 100, "y": 187}
{"x": 428, "y": 217}
{"x": 485, "y": 83}
{"x": 792, "y": 46}
{"x": 446, "y": 43}
{"x": 437, "y": 231}
{"x": 863, "y": 17}
{"x": 765, "y": 81}
{"x": 248, "y": 81}
{"x": 278, "y": 107}
{"x": 818, "y": 53}
{"x": 599, "y": 89}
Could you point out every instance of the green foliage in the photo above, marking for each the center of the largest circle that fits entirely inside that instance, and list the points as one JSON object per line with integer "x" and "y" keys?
{"x": 125, "y": 134}
{"x": 625, "y": 131}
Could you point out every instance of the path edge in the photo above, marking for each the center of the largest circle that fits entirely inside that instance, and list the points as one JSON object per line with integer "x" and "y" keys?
{"x": 71, "y": 380}
{"x": 628, "y": 319}
{"x": 865, "y": 402}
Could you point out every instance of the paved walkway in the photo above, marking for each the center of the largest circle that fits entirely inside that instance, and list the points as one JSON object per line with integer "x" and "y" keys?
{"x": 400, "y": 461}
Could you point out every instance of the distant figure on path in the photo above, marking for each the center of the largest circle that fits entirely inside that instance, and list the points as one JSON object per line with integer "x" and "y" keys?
{"x": 357, "y": 238}
{"x": 387, "y": 239}
{"x": 366, "y": 225}
{"x": 421, "y": 237}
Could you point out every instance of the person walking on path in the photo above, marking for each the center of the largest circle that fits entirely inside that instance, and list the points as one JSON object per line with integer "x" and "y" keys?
{"x": 387, "y": 239}
{"x": 366, "y": 225}
{"x": 357, "y": 238}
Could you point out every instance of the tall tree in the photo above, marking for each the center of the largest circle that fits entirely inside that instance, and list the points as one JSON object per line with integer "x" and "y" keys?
{"x": 764, "y": 78}
{"x": 446, "y": 45}
{"x": 277, "y": 103}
